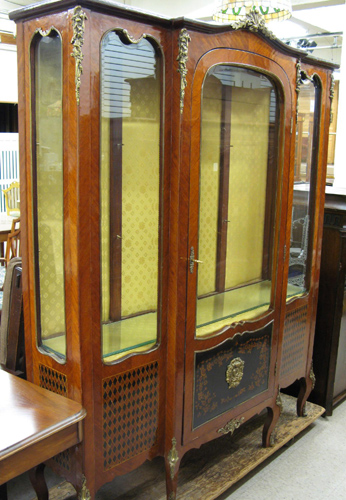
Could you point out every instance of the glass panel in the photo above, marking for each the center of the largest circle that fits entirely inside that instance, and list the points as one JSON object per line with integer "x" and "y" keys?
{"x": 130, "y": 195}
{"x": 48, "y": 193}
{"x": 304, "y": 179}
{"x": 238, "y": 175}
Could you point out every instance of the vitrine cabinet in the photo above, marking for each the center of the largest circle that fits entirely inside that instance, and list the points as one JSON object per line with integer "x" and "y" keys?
{"x": 165, "y": 285}
{"x": 329, "y": 345}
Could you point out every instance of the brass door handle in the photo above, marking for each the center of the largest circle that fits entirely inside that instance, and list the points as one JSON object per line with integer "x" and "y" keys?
{"x": 192, "y": 260}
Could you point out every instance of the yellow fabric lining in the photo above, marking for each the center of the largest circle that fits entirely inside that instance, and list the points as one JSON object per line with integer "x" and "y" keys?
{"x": 49, "y": 158}
{"x": 247, "y": 185}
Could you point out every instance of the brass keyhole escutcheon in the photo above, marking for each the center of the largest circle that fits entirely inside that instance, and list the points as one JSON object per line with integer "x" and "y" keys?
{"x": 235, "y": 372}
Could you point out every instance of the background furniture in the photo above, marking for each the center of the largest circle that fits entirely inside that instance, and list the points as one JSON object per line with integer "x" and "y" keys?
{"x": 12, "y": 350}
{"x": 36, "y": 424}
{"x": 157, "y": 197}
{"x": 330, "y": 337}
{"x": 5, "y": 228}
{"x": 12, "y": 199}
{"x": 13, "y": 242}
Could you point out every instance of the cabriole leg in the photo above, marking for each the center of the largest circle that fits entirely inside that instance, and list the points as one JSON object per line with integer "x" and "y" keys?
{"x": 3, "y": 491}
{"x": 38, "y": 482}
{"x": 306, "y": 386}
{"x": 271, "y": 421}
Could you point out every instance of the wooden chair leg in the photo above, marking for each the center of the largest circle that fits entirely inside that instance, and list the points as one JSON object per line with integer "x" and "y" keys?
{"x": 3, "y": 491}
{"x": 38, "y": 482}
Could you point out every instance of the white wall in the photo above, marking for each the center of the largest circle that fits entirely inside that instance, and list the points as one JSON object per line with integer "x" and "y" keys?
{"x": 340, "y": 145}
{"x": 8, "y": 80}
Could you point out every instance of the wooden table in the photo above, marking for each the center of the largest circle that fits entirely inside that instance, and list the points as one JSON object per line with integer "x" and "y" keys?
{"x": 5, "y": 229}
{"x": 35, "y": 425}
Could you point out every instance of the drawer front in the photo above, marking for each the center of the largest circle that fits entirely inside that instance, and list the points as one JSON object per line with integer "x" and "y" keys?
{"x": 231, "y": 374}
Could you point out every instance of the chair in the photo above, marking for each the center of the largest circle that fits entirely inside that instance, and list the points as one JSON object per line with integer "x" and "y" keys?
{"x": 13, "y": 241}
{"x": 12, "y": 353}
{"x": 13, "y": 248}
{"x": 12, "y": 199}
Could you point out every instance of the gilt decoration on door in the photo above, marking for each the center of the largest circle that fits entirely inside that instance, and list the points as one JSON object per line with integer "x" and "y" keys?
{"x": 235, "y": 372}
{"x": 213, "y": 395}
{"x": 184, "y": 39}
{"x": 78, "y": 22}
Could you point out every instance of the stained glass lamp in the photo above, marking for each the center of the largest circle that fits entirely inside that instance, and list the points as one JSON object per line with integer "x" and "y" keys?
{"x": 228, "y": 11}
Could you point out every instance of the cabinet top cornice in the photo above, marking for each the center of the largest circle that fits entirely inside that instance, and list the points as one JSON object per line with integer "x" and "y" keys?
{"x": 253, "y": 23}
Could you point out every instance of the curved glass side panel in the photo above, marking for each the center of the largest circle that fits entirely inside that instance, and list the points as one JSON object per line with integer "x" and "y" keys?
{"x": 48, "y": 193}
{"x": 305, "y": 170}
{"x": 238, "y": 177}
{"x": 130, "y": 184}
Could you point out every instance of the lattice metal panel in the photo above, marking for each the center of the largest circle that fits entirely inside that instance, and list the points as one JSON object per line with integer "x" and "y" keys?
{"x": 63, "y": 460}
{"x": 53, "y": 380}
{"x": 130, "y": 414}
{"x": 293, "y": 352}
{"x": 56, "y": 382}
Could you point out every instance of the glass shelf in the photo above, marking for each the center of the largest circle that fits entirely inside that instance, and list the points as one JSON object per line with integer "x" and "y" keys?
{"x": 223, "y": 309}
{"x": 118, "y": 338}
{"x": 130, "y": 335}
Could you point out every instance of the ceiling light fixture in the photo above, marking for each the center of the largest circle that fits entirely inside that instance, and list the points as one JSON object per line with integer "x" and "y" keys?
{"x": 228, "y": 11}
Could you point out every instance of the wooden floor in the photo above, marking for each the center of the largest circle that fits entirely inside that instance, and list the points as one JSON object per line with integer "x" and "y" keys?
{"x": 213, "y": 468}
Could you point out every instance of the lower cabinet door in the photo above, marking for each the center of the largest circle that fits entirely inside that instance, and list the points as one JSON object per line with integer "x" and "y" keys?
{"x": 231, "y": 377}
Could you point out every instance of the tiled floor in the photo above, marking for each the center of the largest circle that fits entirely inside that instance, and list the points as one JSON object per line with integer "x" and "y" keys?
{"x": 312, "y": 468}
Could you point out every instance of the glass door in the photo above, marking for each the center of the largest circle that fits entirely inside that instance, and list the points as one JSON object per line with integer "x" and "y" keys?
{"x": 48, "y": 199}
{"x": 131, "y": 195}
{"x": 237, "y": 197}
{"x": 305, "y": 172}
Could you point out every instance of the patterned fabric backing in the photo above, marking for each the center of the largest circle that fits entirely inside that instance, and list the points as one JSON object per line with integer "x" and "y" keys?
{"x": 49, "y": 157}
{"x": 247, "y": 184}
{"x": 140, "y": 204}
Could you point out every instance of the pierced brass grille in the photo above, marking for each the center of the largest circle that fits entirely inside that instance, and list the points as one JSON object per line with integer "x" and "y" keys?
{"x": 63, "y": 460}
{"x": 293, "y": 357}
{"x": 53, "y": 380}
{"x": 130, "y": 414}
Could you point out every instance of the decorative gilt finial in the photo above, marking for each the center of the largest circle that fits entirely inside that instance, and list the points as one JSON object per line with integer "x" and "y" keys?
{"x": 255, "y": 22}
{"x": 77, "y": 41}
{"x": 279, "y": 400}
{"x": 298, "y": 85}
{"x": 173, "y": 457}
{"x": 231, "y": 426}
{"x": 84, "y": 493}
{"x": 331, "y": 95}
{"x": 184, "y": 39}
{"x": 312, "y": 377}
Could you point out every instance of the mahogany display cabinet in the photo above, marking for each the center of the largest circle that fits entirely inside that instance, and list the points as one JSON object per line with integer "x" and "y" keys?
{"x": 172, "y": 221}
{"x": 329, "y": 354}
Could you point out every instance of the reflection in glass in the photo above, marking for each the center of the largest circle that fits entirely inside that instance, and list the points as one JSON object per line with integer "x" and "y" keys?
{"x": 48, "y": 193}
{"x": 130, "y": 185}
{"x": 238, "y": 175}
{"x": 303, "y": 199}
